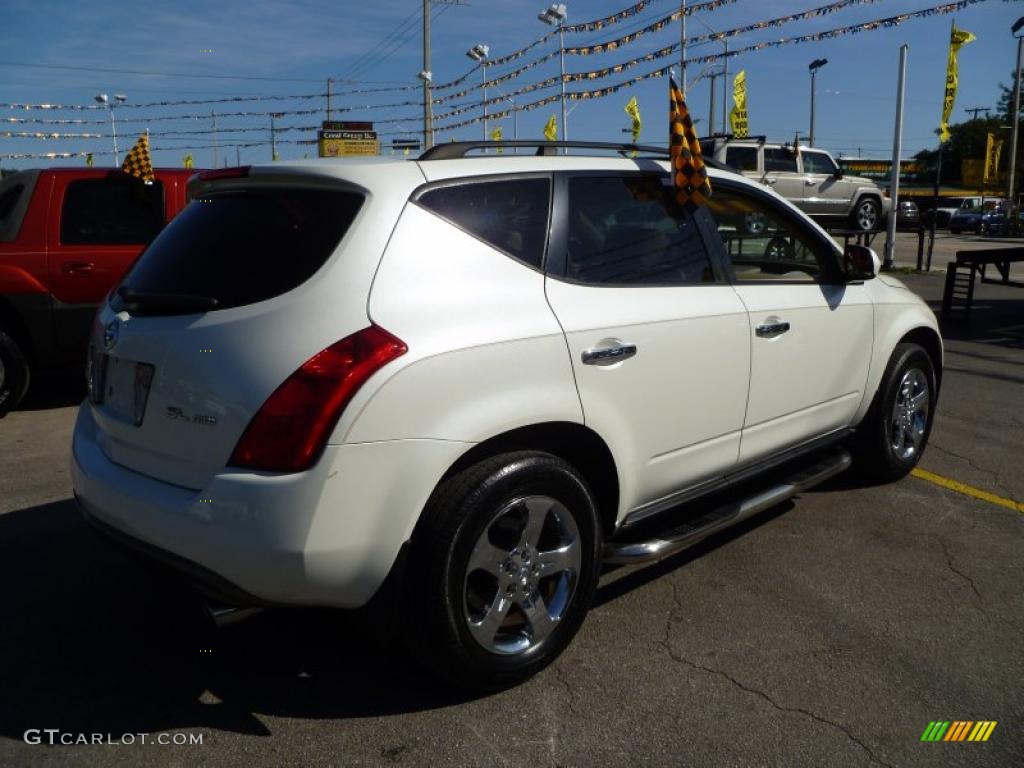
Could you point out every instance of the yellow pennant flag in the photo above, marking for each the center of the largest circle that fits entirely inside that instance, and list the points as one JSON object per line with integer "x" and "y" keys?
{"x": 689, "y": 176}
{"x": 88, "y": 159}
{"x": 137, "y": 162}
{"x": 632, "y": 109}
{"x": 551, "y": 129}
{"x": 957, "y": 38}
{"x": 187, "y": 160}
{"x": 738, "y": 116}
{"x": 496, "y": 135}
{"x": 993, "y": 148}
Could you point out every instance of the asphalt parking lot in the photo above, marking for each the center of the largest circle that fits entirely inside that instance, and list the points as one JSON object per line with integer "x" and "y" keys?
{"x": 829, "y": 631}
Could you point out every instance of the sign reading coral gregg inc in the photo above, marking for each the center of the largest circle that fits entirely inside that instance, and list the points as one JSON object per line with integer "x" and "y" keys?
{"x": 347, "y": 139}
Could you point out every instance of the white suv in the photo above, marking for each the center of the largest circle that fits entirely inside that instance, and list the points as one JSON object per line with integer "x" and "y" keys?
{"x": 483, "y": 377}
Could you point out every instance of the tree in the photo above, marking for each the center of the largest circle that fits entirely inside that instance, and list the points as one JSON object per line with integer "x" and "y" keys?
{"x": 966, "y": 142}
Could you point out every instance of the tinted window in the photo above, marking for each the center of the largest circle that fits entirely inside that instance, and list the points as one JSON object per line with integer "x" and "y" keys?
{"x": 742, "y": 158}
{"x": 7, "y": 201}
{"x": 111, "y": 212}
{"x": 510, "y": 215}
{"x": 241, "y": 247}
{"x": 764, "y": 241}
{"x": 818, "y": 162}
{"x": 779, "y": 160}
{"x": 629, "y": 230}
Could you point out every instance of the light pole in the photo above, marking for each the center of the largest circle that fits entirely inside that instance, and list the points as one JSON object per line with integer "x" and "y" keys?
{"x": 813, "y": 68}
{"x": 1011, "y": 188}
{"x": 556, "y": 14}
{"x": 119, "y": 98}
{"x": 479, "y": 53}
{"x": 724, "y": 74}
{"x": 273, "y": 134}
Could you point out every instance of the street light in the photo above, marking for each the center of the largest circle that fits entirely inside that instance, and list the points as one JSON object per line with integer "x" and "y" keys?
{"x": 813, "y": 68}
{"x": 479, "y": 53}
{"x": 1016, "y": 121}
{"x": 556, "y": 14}
{"x": 119, "y": 98}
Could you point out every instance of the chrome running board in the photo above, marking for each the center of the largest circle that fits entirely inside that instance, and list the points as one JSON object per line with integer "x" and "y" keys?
{"x": 693, "y": 531}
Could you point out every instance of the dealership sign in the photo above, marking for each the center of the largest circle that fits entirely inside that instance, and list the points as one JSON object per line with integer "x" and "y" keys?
{"x": 347, "y": 139}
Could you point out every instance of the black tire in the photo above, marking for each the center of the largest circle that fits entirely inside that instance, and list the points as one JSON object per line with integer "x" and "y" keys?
{"x": 779, "y": 249}
{"x": 440, "y": 586}
{"x": 867, "y": 214}
{"x": 14, "y": 374}
{"x": 875, "y": 453}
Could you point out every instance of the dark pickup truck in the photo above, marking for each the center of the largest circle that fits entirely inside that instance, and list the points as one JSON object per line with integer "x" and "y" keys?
{"x": 66, "y": 236}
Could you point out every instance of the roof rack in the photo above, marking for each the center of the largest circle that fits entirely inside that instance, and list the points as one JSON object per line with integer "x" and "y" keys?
{"x": 459, "y": 149}
{"x": 730, "y": 136}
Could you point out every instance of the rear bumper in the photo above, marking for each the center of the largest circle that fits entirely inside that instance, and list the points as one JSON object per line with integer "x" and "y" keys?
{"x": 328, "y": 536}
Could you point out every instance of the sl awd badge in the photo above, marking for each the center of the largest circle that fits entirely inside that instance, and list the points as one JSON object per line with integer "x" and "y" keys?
{"x": 175, "y": 413}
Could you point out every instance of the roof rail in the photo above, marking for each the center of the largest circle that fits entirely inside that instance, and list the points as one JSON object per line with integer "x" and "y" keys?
{"x": 459, "y": 149}
{"x": 730, "y": 136}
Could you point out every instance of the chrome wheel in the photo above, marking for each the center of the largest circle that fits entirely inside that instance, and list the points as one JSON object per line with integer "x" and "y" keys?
{"x": 909, "y": 415}
{"x": 522, "y": 574}
{"x": 867, "y": 215}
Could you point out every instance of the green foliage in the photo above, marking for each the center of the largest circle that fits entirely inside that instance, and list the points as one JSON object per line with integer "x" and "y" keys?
{"x": 966, "y": 142}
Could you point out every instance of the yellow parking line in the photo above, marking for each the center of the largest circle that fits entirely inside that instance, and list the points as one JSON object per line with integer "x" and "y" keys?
{"x": 968, "y": 490}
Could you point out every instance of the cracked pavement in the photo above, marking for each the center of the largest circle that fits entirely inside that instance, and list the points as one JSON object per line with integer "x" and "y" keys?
{"x": 828, "y": 631}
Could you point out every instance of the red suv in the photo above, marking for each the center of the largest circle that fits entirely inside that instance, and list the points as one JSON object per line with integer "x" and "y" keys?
{"x": 66, "y": 236}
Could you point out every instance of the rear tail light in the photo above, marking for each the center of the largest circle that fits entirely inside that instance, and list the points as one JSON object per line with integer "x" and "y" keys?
{"x": 289, "y": 431}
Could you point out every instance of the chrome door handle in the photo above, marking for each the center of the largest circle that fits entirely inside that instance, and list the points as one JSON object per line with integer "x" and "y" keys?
{"x": 809, "y": 182}
{"x": 608, "y": 355}
{"x": 771, "y": 328}
{"x": 77, "y": 267}
{"x": 769, "y": 180}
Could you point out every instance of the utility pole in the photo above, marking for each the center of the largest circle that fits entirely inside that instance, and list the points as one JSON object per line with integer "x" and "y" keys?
{"x": 330, "y": 82}
{"x": 975, "y": 110}
{"x": 425, "y": 75}
{"x": 273, "y": 134}
{"x": 213, "y": 117}
{"x": 725, "y": 88}
{"x": 682, "y": 47}
{"x": 238, "y": 156}
{"x": 711, "y": 106}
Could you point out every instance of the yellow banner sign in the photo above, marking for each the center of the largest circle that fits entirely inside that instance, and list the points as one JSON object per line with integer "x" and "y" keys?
{"x": 738, "y": 116}
{"x": 957, "y": 38}
{"x": 993, "y": 148}
{"x": 349, "y": 147}
{"x": 632, "y": 109}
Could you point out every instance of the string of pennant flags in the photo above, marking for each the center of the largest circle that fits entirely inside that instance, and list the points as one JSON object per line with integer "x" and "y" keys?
{"x": 662, "y": 23}
{"x": 850, "y": 29}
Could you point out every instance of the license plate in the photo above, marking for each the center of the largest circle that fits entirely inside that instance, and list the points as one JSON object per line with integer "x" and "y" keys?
{"x": 125, "y": 386}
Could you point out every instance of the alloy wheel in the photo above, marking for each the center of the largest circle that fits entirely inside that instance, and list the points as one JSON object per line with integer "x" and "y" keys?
{"x": 867, "y": 216}
{"x": 909, "y": 415}
{"x": 522, "y": 574}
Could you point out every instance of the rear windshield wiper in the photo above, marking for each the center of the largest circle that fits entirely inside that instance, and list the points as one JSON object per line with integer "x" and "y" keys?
{"x": 141, "y": 303}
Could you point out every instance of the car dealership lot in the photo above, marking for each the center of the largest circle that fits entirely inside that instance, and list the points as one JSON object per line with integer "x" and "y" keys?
{"x": 830, "y": 630}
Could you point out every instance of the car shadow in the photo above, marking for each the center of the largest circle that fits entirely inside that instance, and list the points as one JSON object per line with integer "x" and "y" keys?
{"x": 994, "y": 322}
{"x": 53, "y": 389}
{"x": 94, "y": 641}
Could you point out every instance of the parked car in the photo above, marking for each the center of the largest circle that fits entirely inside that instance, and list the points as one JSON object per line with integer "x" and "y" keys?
{"x": 907, "y": 214}
{"x": 66, "y": 236}
{"x": 995, "y": 222}
{"x": 967, "y": 218}
{"x": 810, "y": 179}
{"x": 460, "y": 385}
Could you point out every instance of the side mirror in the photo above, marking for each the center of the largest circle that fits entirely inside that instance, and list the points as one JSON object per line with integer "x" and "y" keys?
{"x": 862, "y": 263}
{"x": 838, "y": 174}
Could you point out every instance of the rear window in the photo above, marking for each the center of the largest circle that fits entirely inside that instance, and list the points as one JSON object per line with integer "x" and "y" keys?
{"x": 742, "y": 158}
{"x": 244, "y": 246}
{"x": 111, "y": 212}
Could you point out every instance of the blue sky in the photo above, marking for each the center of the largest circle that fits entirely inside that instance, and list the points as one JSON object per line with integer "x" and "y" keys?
{"x": 66, "y": 52}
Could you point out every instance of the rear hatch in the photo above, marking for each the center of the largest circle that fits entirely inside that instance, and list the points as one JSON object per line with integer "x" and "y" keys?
{"x": 215, "y": 314}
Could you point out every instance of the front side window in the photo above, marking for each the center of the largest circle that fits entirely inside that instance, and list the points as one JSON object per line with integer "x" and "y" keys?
{"x": 111, "y": 212}
{"x": 510, "y": 215}
{"x": 628, "y": 230}
{"x": 779, "y": 160}
{"x": 818, "y": 162}
{"x": 764, "y": 241}
{"x": 742, "y": 158}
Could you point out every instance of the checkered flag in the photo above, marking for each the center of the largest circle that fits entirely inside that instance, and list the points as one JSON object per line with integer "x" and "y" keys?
{"x": 137, "y": 161}
{"x": 689, "y": 176}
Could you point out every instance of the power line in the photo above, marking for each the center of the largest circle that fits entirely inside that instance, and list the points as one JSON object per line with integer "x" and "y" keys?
{"x": 160, "y": 74}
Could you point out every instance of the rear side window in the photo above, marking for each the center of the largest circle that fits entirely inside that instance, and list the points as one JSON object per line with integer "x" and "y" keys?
{"x": 8, "y": 199}
{"x": 818, "y": 162}
{"x": 628, "y": 230}
{"x": 511, "y": 216}
{"x": 241, "y": 247}
{"x": 111, "y": 212}
{"x": 742, "y": 158}
{"x": 779, "y": 160}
